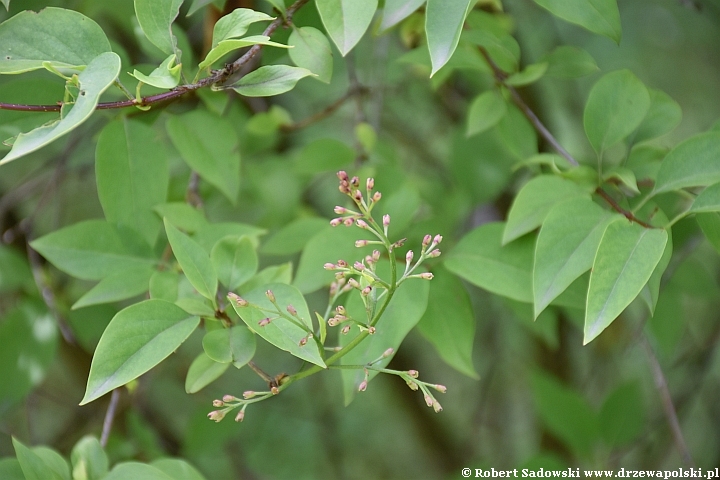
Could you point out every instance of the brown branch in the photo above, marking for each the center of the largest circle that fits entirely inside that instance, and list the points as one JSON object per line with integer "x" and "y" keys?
{"x": 615, "y": 206}
{"x": 326, "y": 112}
{"x": 667, "y": 403}
{"x": 216, "y": 77}
{"x": 109, "y": 417}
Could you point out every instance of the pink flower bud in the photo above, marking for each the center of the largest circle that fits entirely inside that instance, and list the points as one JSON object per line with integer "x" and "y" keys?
{"x": 370, "y": 183}
{"x": 386, "y": 220}
{"x": 264, "y": 322}
{"x": 362, "y": 386}
{"x": 239, "y": 301}
{"x": 240, "y": 416}
{"x": 329, "y": 266}
{"x": 343, "y": 187}
{"x": 359, "y": 266}
{"x": 426, "y": 240}
{"x": 218, "y": 403}
{"x": 229, "y": 398}
{"x": 269, "y": 294}
{"x": 426, "y": 276}
{"x": 249, "y": 394}
{"x": 361, "y": 243}
{"x": 440, "y": 388}
{"x": 388, "y": 352}
{"x": 291, "y": 310}
{"x": 377, "y": 196}
{"x": 436, "y": 406}
{"x": 342, "y": 263}
{"x": 332, "y": 322}
{"x": 335, "y": 222}
{"x": 355, "y": 182}
{"x": 347, "y": 221}
{"x": 366, "y": 291}
{"x": 437, "y": 239}
{"x": 434, "y": 253}
{"x": 409, "y": 256}
{"x": 340, "y": 310}
{"x": 357, "y": 196}
{"x": 303, "y": 341}
{"x": 345, "y": 330}
{"x": 362, "y": 224}
{"x": 216, "y": 415}
{"x": 353, "y": 283}
{"x": 376, "y": 255}
{"x": 342, "y": 175}
{"x": 428, "y": 400}
{"x": 340, "y": 210}
{"x": 413, "y": 373}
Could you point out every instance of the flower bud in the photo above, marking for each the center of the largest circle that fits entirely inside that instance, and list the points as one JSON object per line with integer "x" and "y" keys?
{"x": 355, "y": 182}
{"x": 335, "y": 222}
{"x": 239, "y": 301}
{"x": 376, "y": 255}
{"x": 342, "y": 175}
{"x": 440, "y": 388}
{"x": 340, "y": 310}
{"x": 361, "y": 243}
{"x": 413, "y": 373}
{"x": 249, "y": 394}
{"x": 371, "y": 330}
{"x": 353, "y": 283}
{"x": 388, "y": 352}
{"x": 340, "y": 210}
{"x": 377, "y": 196}
{"x": 216, "y": 415}
{"x": 370, "y": 183}
{"x": 332, "y": 322}
{"x": 413, "y": 386}
{"x": 347, "y": 221}
{"x": 386, "y": 220}
{"x": 362, "y": 224}
{"x": 426, "y": 276}
{"x": 218, "y": 403}
{"x": 264, "y": 322}
{"x": 409, "y": 256}
{"x": 329, "y": 266}
{"x": 340, "y": 275}
{"x": 434, "y": 253}
{"x": 229, "y": 398}
{"x": 303, "y": 341}
{"x": 342, "y": 263}
{"x": 357, "y": 196}
{"x": 274, "y": 390}
{"x": 436, "y": 406}
{"x": 240, "y": 416}
{"x": 366, "y": 291}
{"x": 343, "y": 187}
{"x": 359, "y": 266}
{"x": 428, "y": 400}
{"x": 437, "y": 239}
{"x": 362, "y": 386}
{"x": 426, "y": 240}
{"x": 345, "y": 330}
{"x": 269, "y": 294}
{"x": 291, "y": 310}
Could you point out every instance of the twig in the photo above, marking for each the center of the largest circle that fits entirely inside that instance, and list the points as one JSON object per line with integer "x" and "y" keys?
{"x": 326, "y": 112}
{"x": 626, "y": 213}
{"x": 217, "y": 76}
{"x": 109, "y": 417}
{"x": 667, "y": 403}
{"x": 192, "y": 194}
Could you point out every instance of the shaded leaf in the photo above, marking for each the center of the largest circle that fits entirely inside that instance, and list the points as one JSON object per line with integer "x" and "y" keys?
{"x": 395, "y": 11}
{"x": 312, "y": 51}
{"x": 235, "y": 261}
{"x": 234, "y": 345}
{"x": 622, "y": 416}
{"x": 324, "y": 154}
{"x": 137, "y": 338}
{"x": 89, "y": 460}
{"x": 136, "y": 471}
{"x": 531, "y": 74}
{"x": 118, "y": 286}
{"x": 33, "y": 466}
{"x": 167, "y": 75}
{"x": 194, "y": 262}
{"x": 708, "y": 200}
{"x": 569, "y": 62}
{"x": 598, "y": 16}
{"x": 202, "y": 372}
{"x": 182, "y": 215}
{"x": 485, "y": 112}
{"x": 662, "y": 117}
{"x": 177, "y": 469}
{"x": 293, "y": 237}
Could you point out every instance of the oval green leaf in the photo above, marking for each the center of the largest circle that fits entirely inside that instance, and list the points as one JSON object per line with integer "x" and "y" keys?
{"x": 89, "y": 460}
{"x": 443, "y": 23}
{"x": 137, "y": 338}
{"x": 202, "y": 372}
{"x": 692, "y": 163}
{"x": 270, "y": 80}
{"x": 227, "y": 46}
{"x": 118, "y": 286}
{"x": 485, "y": 112}
{"x": 663, "y": 116}
{"x": 235, "y": 261}
{"x": 346, "y": 20}
{"x": 194, "y": 261}
{"x": 155, "y": 18}
{"x": 234, "y": 345}
{"x": 311, "y": 50}
{"x": 236, "y": 23}
{"x": 598, "y": 16}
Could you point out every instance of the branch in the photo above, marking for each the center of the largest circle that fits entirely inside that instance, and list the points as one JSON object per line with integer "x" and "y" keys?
{"x": 615, "y": 206}
{"x": 326, "y": 112}
{"x": 109, "y": 417}
{"x": 667, "y": 403}
{"x": 217, "y": 76}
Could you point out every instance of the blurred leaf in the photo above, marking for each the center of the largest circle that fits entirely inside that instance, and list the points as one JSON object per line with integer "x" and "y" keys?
{"x": 164, "y": 76}
{"x": 293, "y": 237}
{"x": 203, "y": 371}
{"x": 598, "y": 16}
{"x": 482, "y": 260}
{"x": 281, "y": 332}
{"x": 625, "y": 259}
{"x": 227, "y": 46}
{"x": 156, "y": 18}
{"x": 402, "y": 206}
{"x": 10, "y": 469}
{"x": 90, "y": 250}
{"x": 708, "y": 200}
{"x": 502, "y": 48}
{"x": 312, "y": 51}
{"x": 14, "y": 270}
{"x": 270, "y": 80}
{"x": 404, "y": 312}
{"x": 195, "y": 306}
{"x": 664, "y": 325}
{"x": 89, "y": 461}
{"x": 569, "y": 62}
{"x": 235, "y": 261}
{"x": 6, "y": 3}
{"x": 236, "y": 23}
{"x": 100, "y": 73}
{"x": 616, "y": 106}
{"x": 449, "y": 323}
{"x": 34, "y": 466}
{"x": 566, "y": 247}
{"x": 517, "y": 134}
{"x": 485, "y": 112}
{"x": 182, "y": 215}
{"x": 622, "y": 416}
{"x": 366, "y": 136}
{"x": 662, "y": 117}
{"x": 276, "y": 274}
{"x": 136, "y": 471}
{"x": 194, "y": 261}
{"x": 64, "y": 38}
{"x": 535, "y": 200}
{"x": 443, "y": 23}
{"x": 624, "y": 177}
{"x": 197, "y": 5}
{"x": 164, "y": 285}
{"x": 211, "y": 233}
{"x": 209, "y": 145}
{"x": 566, "y": 413}
{"x": 138, "y": 338}
{"x": 118, "y": 286}
{"x": 234, "y": 345}
{"x": 395, "y": 11}
{"x": 346, "y": 20}
{"x": 324, "y": 154}
{"x": 530, "y": 74}
{"x": 132, "y": 175}
{"x": 710, "y": 226}
{"x": 691, "y": 163}
{"x": 177, "y": 469}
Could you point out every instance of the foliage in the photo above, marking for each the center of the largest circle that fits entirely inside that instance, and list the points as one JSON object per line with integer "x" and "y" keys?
{"x": 576, "y": 239}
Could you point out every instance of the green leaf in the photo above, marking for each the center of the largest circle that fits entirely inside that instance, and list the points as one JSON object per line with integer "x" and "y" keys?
{"x": 328, "y": 245}
{"x": 531, "y": 74}
{"x": 6, "y": 3}
{"x": 194, "y": 261}
{"x": 270, "y": 80}
{"x": 402, "y": 206}
{"x": 569, "y": 62}
{"x": 710, "y": 226}
{"x": 100, "y": 73}
{"x": 90, "y": 250}
{"x": 276, "y": 274}
{"x": 566, "y": 247}
{"x": 14, "y": 269}
{"x": 203, "y": 371}
{"x": 33, "y": 466}
{"x": 324, "y": 154}
{"x": 404, "y": 312}
{"x": 89, "y": 461}
{"x": 395, "y": 11}
{"x": 136, "y": 471}
{"x": 279, "y": 5}
{"x": 312, "y": 51}
{"x": 565, "y": 412}
{"x": 165, "y": 76}
{"x": 10, "y": 468}
{"x": 662, "y": 117}
{"x": 234, "y": 345}
{"x": 449, "y": 322}
{"x": 227, "y": 46}
{"x": 177, "y": 469}
{"x": 117, "y": 286}
{"x": 197, "y": 5}
{"x": 598, "y": 16}
{"x": 235, "y": 261}
{"x": 485, "y": 112}
{"x": 182, "y": 215}
{"x": 164, "y": 285}
{"x": 137, "y": 338}
{"x": 236, "y": 23}
{"x": 212, "y": 233}
{"x": 622, "y": 416}
{"x": 535, "y": 200}
{"x": 346, "y": 20}
{"x": 293, "y": 237}
{"x": 616, "y": 106}
{"x": 625, "y": 259}
{"x": 155, "y": 18}
{"x": 132, "y": 176}
{"x": 209, "y": 145}
{"x": 650, "y": 293}
{"x": 280, "y": 332}
{"x": 692, "y": 163}
{"x": 54, "y": 460}
{"x": 195, "y": 306}
{"x": 443, "y": 23}
{"x": 482, "y": 260}
{"x": 66, "y": 39}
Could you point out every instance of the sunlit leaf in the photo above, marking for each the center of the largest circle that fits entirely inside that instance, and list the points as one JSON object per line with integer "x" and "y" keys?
{"x": 692, "y": 163}
{"x": 312, "y": 51}
{"x": 202, "y": 372}
{"x": 156, "y": 18}
{"x": 346, "y": 20}
{"x": 194, "y": 261}
{"x": 395, "y": 11}
{"x": 167, "y": 75}
{"x": 236, "y": 23}
{"x": 443, "y": 23}
{"x": 270, "y": 80}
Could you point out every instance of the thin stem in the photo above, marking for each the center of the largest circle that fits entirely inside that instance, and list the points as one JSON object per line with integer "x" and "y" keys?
{"x": 109, "y": 417}
{"x": 667, "y": 403}
{"x": 626, "y": 213}
{"x": 326, "y": 112}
